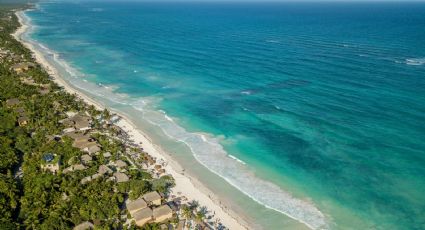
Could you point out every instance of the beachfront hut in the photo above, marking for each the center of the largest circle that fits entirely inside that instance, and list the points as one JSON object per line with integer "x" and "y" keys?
{"x": 82, "y": 122}
{"x": 121, "y": 177}
{"x": 103, "y": 169}
{"x": 152, "y": 198}
{"x": 28, "y": 81}
{"x": 67, "y": 123}
{"x": 79, "y": 122}
{"x": 22, "y": 121}
{"x": 86, "y": 179}
{"x": 92, "y": 147}
{"x": 162, "y": 213}
{"x": 84, "y": 142}
{"x": 78, "y": 136}
{"x": 136, "y": 205}
{"x": 90, "y": 178}
{"x": 86, "y": 158}
{"x": 50, "y": 162}
{"x": 120, "y": 164}
{"x": 76, "y": 167}
{"x": 22, "y": 67}
{"x": 142, "y": 216}
{"x": 84, "y": 226}
{"x": 85, "y": 145}
{"x": 44, "y": 91}
{"x": 69, "y": 130}
{"x": 70, "y": 113}
{"x": 149, "y": 159}
{"x": 12, "y": 102}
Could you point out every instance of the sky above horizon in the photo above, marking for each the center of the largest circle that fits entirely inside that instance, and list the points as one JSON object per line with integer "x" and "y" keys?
{"x": 253, "y": 0}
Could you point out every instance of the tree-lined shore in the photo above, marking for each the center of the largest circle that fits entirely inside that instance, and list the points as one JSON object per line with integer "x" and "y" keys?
{"x": 34, "y": 195}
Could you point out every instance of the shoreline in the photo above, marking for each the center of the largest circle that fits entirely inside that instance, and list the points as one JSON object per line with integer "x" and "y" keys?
{"x": 188, "y": 186}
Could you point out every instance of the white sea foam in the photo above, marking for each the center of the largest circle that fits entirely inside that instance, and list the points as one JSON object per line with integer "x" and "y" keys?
{"x": 237, "y": 159}
{"x": 96, "y": 9}
{"x": 349, "y": 46}
{"x": 415, "y": 61}
{"x": 76, "y": 78}
{"x": 139, "y": 104}
{"x": 246, "y": 92}
{"x": 168, "y": 118}
{"x": 273, "y": 41}
{"x": 208, "y": 151}
{"x": 203, "y": 138}
{"x": 45, "y": 48}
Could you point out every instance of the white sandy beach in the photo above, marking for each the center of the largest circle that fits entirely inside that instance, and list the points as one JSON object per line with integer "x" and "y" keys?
{"x": 185, "y": 185}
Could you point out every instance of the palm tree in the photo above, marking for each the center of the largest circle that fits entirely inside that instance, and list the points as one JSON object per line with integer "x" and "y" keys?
{"x": 186, "y": 211}
{"x": 199, "y": 217}
{"x": 106, "y": 114}
{"x": 204, "y": 210}
{"x": 193, "y": 204}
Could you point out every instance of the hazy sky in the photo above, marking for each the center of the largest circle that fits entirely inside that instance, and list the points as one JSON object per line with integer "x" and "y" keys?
{"x": 268, "y": 0}
{"x": 274, "y": 0}
{"x": 277, "y": 0}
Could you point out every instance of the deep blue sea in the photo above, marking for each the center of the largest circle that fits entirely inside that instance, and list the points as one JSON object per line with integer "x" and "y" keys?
{"x": 313, "y": 110}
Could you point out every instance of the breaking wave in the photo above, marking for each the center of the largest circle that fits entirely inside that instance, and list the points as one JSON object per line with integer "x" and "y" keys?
{"x": 208, "y": 151}
{"x": 237, "y": 159}
{"x": 415, "y": 61}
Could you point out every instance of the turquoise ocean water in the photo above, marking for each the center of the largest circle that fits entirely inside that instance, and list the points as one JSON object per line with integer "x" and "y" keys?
{"x": 312, "y": 110}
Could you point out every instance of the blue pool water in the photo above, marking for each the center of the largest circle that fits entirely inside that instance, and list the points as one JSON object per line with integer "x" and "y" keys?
{"x": 314, "y": 110}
